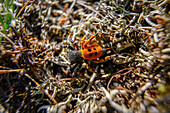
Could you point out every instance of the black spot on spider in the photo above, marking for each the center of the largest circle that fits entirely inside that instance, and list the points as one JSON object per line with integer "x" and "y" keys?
{"x": 95, "y": 53}
{"x": 91, "y": 54}
{"x": 94, "y": 48}
{"x": 89, "y": 50}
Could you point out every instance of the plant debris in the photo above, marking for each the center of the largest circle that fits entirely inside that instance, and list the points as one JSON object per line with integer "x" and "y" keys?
{"x": 42, "y": 69}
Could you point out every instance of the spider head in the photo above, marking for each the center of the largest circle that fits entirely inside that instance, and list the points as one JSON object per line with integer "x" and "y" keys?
{"x": 74, "y": 56}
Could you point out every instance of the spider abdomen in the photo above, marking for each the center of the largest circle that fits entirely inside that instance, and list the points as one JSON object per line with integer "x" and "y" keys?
{"x": 91, "y": 52}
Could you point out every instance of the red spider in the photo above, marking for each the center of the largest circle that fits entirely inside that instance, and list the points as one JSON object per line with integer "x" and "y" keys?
{"x": 91, "y": 52}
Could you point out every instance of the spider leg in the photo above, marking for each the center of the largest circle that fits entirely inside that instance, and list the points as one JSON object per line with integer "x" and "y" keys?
{"x": 88, "y": 67}
{"x": 82, "y": 42}
{"x": 88, "y": 41}
{"x": 103, "y": 60}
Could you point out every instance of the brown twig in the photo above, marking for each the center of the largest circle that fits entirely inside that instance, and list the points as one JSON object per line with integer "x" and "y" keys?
{"x": 10, "y": 71}
{"x": 22, "y": 8}
{"x": 54, "y": 101}
{"x": 118, "y": 74}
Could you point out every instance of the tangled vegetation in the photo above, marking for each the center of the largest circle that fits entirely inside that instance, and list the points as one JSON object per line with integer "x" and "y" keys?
{"x": 41, "y": 69}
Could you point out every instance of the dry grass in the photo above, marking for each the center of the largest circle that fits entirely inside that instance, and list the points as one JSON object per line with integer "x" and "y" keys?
{"x": 37, "y": 73}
